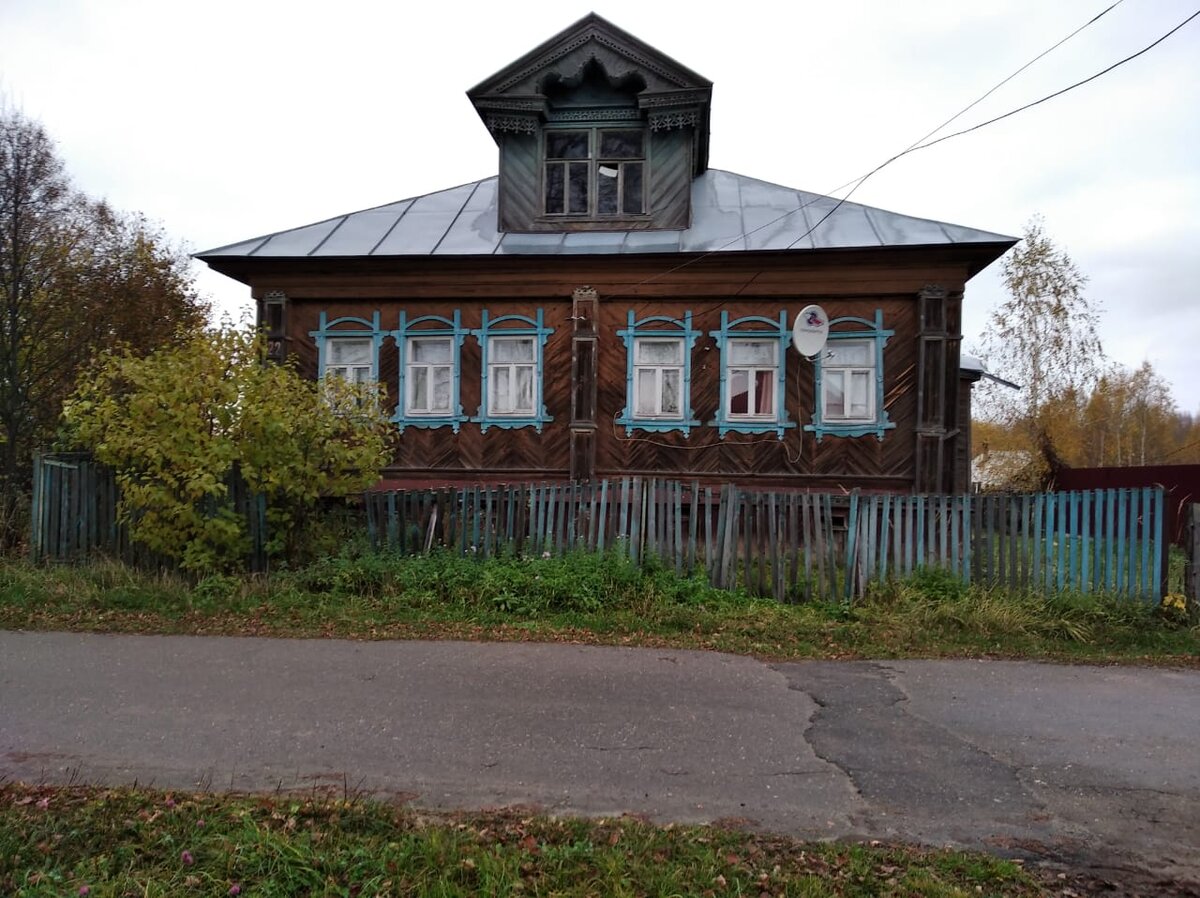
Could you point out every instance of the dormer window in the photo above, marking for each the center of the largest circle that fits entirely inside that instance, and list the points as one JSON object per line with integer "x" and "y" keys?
{"x": 595, "y": 172}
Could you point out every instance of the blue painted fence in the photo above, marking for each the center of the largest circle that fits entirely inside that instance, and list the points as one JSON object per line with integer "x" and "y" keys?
{"x": 796, "y": 546}
{"x": 791, "y": 545}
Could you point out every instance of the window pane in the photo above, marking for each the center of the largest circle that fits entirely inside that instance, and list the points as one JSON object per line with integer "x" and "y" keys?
{"x": 659, "y": 352}
{"x": 555, "y": 191}
{"x": 418, "y": 390}
{"x": 739, "y": 392}
{"x": 860, "y": 406}
{"x": 645, "y": 401}
{"x": 835, "y": 394}
{"x": 501, "y": 389}
{"x": 512, "y": 349}
{"x": 441, "y": 388}
{"x": 752, "y": 352}
{"x": 671, "y": 378}
{"x": 577, "y": 181}
{"x": 632, "y": 189}
{"x": 345, "y": 351}
{"x": 524, "y": 390}
{"x": 764, "y": 392}
{"x": 426, "y": 350}
{"x": 855, "y": 353}
{"x": 566, "y": 144}
{"x": 606, "y": 190}
{"x": 620, "y": 144}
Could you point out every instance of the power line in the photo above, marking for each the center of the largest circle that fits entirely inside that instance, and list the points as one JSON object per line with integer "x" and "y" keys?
{"x": 857, "y": 182}
{"x": 922, "y": 144}
{"x": 992, "y": 121}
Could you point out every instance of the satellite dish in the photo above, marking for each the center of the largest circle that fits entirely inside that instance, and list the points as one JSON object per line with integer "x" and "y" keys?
{"x": 810, "y": 331}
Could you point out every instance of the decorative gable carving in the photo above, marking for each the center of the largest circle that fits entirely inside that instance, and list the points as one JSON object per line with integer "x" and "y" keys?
{"x": 598, "y": 79}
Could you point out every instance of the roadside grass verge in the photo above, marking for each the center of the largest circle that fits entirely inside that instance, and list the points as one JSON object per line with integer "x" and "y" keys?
{"x": 590, "y": 598}
{"x": 115, "y": 842}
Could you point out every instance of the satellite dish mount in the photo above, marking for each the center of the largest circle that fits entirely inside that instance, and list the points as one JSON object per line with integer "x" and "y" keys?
{"x": 810, "y": 331}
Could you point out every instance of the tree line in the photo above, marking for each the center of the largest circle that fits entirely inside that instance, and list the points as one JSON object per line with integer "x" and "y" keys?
{"x": 1072, "y": 407}
{"x": 77, "y": 277}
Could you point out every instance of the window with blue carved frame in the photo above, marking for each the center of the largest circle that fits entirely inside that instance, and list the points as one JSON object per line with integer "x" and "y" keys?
{"x": 849, "y": 380}
{"x": 430, "y": 364}
{"x": 348, "y": 348}
{"x": 658, "y": 374}
{"x": 513, "y": 349}
{"x": 753, "y": 375}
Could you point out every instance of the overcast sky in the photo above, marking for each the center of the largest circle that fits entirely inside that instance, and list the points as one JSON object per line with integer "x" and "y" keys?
{"x": 228, "y": 119}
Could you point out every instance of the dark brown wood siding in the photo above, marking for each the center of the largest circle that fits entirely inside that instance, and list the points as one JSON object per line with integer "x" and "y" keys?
{"x": 751, "y": 284}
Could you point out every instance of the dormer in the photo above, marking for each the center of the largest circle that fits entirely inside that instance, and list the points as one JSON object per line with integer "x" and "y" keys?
{"x": 597, "y": 131}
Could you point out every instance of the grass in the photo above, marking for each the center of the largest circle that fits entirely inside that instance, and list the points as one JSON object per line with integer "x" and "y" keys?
{"x": 117, "y": 842}
{"x": 588, "y": 598}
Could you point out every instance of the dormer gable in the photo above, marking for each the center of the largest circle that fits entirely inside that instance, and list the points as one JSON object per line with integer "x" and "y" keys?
{"x": 597, "y": 130}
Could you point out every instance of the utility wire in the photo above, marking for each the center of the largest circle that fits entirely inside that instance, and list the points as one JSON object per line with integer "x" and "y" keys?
{"x": 922, "y": 144}
{"x": 916, "y": 143}
{"x": 992, "y": 121}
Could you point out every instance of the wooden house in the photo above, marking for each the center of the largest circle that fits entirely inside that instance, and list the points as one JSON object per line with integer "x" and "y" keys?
{"x": 609, "y": 305}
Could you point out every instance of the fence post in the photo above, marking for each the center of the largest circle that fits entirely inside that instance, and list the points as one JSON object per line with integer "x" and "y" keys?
{"x": 1191, "y": 568}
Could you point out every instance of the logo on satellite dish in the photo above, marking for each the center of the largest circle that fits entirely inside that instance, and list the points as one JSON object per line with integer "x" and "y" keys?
{"x": 810, "y": 331}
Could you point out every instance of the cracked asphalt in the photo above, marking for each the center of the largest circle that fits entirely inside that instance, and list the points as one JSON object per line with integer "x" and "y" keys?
{"x": 1092, "y": 766}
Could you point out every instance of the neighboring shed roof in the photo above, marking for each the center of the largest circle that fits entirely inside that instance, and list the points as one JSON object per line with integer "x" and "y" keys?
{"x": 730, "y": 213}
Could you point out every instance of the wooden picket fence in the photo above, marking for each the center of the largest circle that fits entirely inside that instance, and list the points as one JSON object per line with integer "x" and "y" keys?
{"x": 74, "y": 514}
{"x": 792, "y": 545}
{"x": 796, "y": 546}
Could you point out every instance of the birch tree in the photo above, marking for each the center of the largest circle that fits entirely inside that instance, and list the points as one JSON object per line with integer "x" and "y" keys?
{"x": 1044, "y": 338}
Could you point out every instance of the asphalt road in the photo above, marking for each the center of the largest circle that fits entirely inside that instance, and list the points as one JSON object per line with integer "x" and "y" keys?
{"x": 1093, "y": 766}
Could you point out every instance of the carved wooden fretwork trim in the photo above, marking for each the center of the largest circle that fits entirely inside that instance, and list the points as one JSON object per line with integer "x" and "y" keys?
{"x": 518, "y": 124}
{"x": 641, "y": 60}
{"x": 674, "y": 98}
{"x": 274, "y": 296}
{"x": 614, "y": 113}
{"x": 529, "y": 104}
{"x": 671, "y": 119}
{"x": 932, "y": 291}
{"x": 590, "y": 34}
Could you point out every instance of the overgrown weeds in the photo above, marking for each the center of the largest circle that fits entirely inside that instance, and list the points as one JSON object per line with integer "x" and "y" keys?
{"x": 593, "y": 598}
{"x": 109, "y": 842}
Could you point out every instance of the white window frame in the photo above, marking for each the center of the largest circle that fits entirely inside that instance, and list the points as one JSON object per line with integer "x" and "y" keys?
{"x": 429, "y": 367}
{"x": 845, "y": 373}
{"x": 494, "y": 411}
{"x": 659, "y": 371}
{"x": 341, "y": 371}
{"x": 752, "y": 372}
